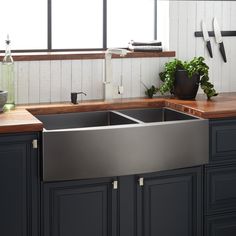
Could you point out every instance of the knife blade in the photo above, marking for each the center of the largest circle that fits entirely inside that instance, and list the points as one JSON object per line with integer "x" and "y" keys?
{"x": 207, "y": 38}
{"x": 219, "y": 39}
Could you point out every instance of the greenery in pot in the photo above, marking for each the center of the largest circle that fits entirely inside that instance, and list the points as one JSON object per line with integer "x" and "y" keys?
{"x": 193, "y": 67}
{"x": 150, "y": 91}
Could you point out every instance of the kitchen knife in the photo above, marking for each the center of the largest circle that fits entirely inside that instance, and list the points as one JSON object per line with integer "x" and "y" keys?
{"x": 207, "y": 38}
{"x": 219, "y": 39}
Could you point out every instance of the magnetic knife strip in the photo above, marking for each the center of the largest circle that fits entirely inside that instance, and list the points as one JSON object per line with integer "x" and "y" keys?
{"x": 212, "y": 34}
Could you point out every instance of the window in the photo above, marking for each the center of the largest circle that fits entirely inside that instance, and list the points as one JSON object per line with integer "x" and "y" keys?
{"x": 26, "y": 23}
{"x": 54, "y": 25}
{"x": 77, "y": 24}
{"x": 129, "y": 20}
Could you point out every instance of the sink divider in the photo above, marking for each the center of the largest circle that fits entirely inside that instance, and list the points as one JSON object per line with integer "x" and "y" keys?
{"x": 127, "y": 117}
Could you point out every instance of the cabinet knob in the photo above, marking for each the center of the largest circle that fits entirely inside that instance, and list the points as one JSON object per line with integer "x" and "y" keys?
{"x": 141, "y": 181}
{"x": 115, "y": 184}
{"x": 35, "y": 143}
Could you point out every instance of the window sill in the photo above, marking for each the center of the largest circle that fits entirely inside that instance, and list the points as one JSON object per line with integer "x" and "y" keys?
{"x": 82, "y": 55}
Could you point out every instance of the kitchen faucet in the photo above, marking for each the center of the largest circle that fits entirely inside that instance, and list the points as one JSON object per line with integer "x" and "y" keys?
{"x": 107, "y": 84}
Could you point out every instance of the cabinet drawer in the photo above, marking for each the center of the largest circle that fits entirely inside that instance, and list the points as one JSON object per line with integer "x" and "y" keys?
{"x": 221, "y": 225}
{"x": 223, "y": 140}
{"x": 220, "y": 189}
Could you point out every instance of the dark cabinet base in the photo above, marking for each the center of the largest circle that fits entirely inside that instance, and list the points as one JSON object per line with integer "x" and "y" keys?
{"x": 20, "y": 186}
{"x": 171, "y": 203}
{"x": 221, "y": 225}
{"x": 168, "y": 204}
{"x": 76, "y": 208}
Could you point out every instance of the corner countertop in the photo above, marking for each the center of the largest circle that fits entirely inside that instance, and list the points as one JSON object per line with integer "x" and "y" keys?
{"x": 22, "y": 118}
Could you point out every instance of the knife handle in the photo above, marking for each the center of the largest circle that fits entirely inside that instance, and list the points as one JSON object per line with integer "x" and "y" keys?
{"x": 208, "y": 44}
{"x": 222, "y": 51}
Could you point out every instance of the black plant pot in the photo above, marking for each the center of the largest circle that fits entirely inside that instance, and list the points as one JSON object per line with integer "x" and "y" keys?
{"x": 185, "y": 87}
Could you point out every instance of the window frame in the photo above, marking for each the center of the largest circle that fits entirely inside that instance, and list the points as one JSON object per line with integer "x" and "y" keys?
{"x": 104, "y": 41}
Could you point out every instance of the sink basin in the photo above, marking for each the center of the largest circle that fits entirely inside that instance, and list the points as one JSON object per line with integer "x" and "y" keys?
{"x": 115, "y": 143}
{"x": 156, "y": 114}
{"x": 83, "y": 119}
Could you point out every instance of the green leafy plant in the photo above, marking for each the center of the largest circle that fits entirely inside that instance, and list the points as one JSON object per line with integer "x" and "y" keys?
{"x": 150, "y": 91}
{"x": 195, "y": 66}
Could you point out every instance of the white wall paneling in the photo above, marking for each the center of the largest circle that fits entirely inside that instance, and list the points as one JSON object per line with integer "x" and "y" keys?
{"x": 226, "y": 24}
{"x": 232, "y": 81}
{"x": 136, "y": 77}
{"x": 126, "y": 79}
{"x": 186, "y": 18}
{"x": 117, "y": 76}
{"x": 66, "y": 80}
{"x": 97, "y": 79}
{"x": 53, "y": 81}
{"x": 34, "y": 79}
{"x": 87, "y": 79}
{"x": 23, "y": 82}
{"x": 44, "y": 81}
{"x": 56, "y": 81}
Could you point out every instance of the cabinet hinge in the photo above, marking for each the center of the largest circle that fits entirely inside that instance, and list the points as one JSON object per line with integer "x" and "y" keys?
{"x": 141, "y": 181}
{"x": 115, "y": 184}
{"x": 35, "y": 143}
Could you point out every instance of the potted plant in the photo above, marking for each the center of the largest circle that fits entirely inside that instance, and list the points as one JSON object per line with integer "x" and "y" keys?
{"x": 183, "y": 78}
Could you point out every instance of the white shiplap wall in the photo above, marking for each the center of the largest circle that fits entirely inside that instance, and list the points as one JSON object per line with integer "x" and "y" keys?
{"x": 53, "y": 81}
{"x": 186, "y": 17}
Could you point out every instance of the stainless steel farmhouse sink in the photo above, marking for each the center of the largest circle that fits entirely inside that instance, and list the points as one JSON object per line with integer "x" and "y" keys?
{"x": 113, "y": 143}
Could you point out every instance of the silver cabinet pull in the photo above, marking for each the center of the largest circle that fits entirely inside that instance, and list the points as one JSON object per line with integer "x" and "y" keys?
{"x": 115, "y": 184}
{"x": 141, "y": 181}
{"x": 35, "y": 143}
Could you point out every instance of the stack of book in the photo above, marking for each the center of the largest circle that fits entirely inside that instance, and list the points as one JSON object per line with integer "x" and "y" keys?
{"x": 153, "y": 46}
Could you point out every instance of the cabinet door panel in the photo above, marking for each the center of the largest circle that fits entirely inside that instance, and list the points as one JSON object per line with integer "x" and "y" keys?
{"x": 222, "y": 140}
{"x": 19, "y": 184}
{"x": 75, "y": 208}
{"x": 220, "y": 189}
{"x": 221, "y": 225}
{"x": 171, "y": 204}
{"x": 13, "y": 190}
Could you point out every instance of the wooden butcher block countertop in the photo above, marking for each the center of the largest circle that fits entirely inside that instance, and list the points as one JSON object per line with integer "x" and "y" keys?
{"x": 22, "y": 118}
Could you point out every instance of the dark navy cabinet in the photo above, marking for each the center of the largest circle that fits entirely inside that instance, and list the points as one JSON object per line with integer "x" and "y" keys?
{"x": 170, "y": 203}
{"x": 221, "y": 225}
{"x": 165, "y": 204}
{"x": 220, "y": 180}
{"x": 20, "y": 185}
{"x": 220, "y": 189}
{"x": 74, "y": 208}
{"x": 223, "y": 140}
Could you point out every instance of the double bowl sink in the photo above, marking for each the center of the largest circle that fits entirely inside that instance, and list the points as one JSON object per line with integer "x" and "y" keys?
{"x": 113, "y": 143}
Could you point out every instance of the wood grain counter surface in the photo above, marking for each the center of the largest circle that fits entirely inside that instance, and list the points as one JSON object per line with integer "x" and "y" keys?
{"x": 22, "y": 118}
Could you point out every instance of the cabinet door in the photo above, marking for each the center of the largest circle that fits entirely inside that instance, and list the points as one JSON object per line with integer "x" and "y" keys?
{"x": 222, "y": 140}
{"x": 80, "y": 208}
{"x": 171, "y": 204}
{"x": 19, "y": 184}
{"x": 220, "y": 189}
{"x": 221, "y": 225}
